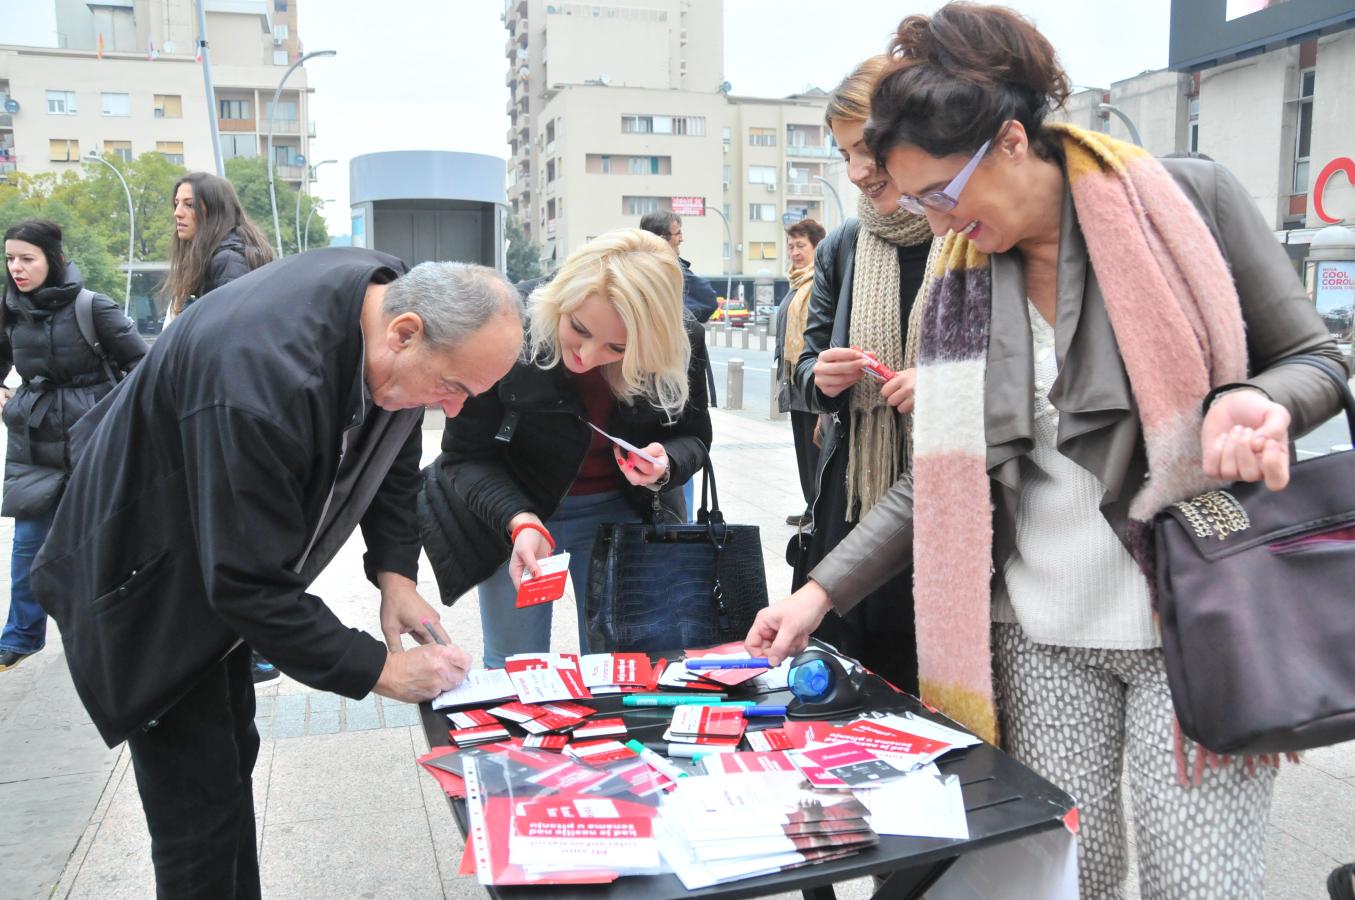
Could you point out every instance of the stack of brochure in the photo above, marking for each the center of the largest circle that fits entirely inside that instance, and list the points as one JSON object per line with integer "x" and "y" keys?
{"x": 713, "y": 830}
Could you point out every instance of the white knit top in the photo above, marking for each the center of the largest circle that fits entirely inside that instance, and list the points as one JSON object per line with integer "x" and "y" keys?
{"x": 1070, "y": 582}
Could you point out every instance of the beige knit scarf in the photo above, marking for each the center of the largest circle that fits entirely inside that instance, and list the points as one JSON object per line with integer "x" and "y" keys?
{"x": 876, "y": 443}
{"x": 797, "y": 316}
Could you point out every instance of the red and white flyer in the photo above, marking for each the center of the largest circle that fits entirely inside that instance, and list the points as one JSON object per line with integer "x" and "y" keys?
{"x": 743, "y": 763}
{"x": 469, "y": 718}
{"x": 480, "y": 734}
{"x": 768, "y": 739}
{"x": 577, "y": 710}
{"x": 706, "y": 724}
{"x": 852, "y": 764}
{"x": 597, "y": 753}
{"x": 540, "y": 678}
{"x": 599, "y": 728}
{"x": 551, "y": 721}
{"x": 583, "y": 833}
{"x": 614, "y": 673}
{"x": 734, "y": 650}
{"x": 553, "y": 742}
{"x": 518, "y": 712}
{"x": 552, "y": 584}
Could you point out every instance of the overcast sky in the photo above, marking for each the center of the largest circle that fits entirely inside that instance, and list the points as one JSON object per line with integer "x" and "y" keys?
{"x": 430, "y": 75}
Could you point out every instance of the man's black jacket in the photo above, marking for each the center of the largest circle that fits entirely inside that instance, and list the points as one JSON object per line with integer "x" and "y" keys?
{"x": 200, "y": 483}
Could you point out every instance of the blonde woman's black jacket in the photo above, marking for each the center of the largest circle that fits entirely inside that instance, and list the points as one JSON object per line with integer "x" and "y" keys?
{"x": 203, "y": 500}
{"x": 518, "y": 448}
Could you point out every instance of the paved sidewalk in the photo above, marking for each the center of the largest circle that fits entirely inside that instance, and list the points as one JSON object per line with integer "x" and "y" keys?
{"x": 342, "y": 810}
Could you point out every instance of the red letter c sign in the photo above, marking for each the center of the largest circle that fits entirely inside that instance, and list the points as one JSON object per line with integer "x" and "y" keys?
{"x": 1340, "y": 164}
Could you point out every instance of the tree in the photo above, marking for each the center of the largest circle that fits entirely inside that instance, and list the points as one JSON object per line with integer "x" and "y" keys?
{"x": 524, "y": 257}
{"x": 250, "y": 177}
{"x": 41, "y": 196}
{"x": 99, "y": 200}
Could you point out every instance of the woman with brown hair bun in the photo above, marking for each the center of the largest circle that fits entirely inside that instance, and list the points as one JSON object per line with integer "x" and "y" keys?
{"x": 867, "y": 273}
{"x": 1101, "y": 337}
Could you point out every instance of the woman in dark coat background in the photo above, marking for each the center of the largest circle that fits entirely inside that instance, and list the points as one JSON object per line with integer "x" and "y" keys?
{"x": 215, "y": 242}
{"x": 63, "y": 378}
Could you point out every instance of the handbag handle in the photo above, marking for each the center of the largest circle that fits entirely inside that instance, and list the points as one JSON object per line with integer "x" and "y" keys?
{"x": 1342, "y": 385}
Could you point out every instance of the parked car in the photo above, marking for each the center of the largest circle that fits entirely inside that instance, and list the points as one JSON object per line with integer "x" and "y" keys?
{"x": 731, "y": 311}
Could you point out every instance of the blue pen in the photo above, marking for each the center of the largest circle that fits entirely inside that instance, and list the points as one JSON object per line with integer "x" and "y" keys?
{"x": 763, "y": 711}
{"x": 757, "y": 662}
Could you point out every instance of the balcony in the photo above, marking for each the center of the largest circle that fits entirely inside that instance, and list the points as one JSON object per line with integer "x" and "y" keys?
{"x": 512, "y": 75}
{"x": 6, "y": 120}
{"x": 289, "y": 173}
{"x": 803, "y": 189}
{"x": 281, "y": 126}
{"x": 512, "y": 133}
{"x": 310, "y": 130}
{"x": 235, "y": 124}
{"x": 550, "y": 226}
{"x": 810, "y": 151}
{"x": 6, "y": 168}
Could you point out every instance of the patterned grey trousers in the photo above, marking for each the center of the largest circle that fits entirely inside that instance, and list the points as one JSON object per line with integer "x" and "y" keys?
{"x": 1078, "y": 716}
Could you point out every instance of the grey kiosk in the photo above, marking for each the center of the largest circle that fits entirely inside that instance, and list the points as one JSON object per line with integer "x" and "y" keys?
{"x": 423, "y": 205}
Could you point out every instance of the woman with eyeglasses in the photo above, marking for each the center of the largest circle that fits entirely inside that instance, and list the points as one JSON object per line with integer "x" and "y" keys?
{"x": 1100, "y": 338}
{"x": 867, "y": 274}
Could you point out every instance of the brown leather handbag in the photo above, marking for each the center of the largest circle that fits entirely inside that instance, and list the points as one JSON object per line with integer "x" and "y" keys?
{"x": 1256, "y": 592}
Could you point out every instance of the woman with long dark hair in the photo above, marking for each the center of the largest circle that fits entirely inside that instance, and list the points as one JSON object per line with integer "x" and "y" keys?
{"x": 215, "y": 242}
{"x": 63, "y": 377}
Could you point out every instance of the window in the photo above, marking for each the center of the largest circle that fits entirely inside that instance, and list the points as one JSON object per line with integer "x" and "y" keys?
{"x": 644, "y": 165}
{"x": 285, "y": 111}
{"x": 168, "y": 106}
{"x": 121, "y": 149}
{"x": 1303, "y": 142}
{"x": 284, "y": 155}
{"x": 279, "y": 5}
{"x": 550, "y": 172}
{"x": 170, "y": 150}
{"x": 762, "y": 250}
{"x": 233, "y": 109}
{"x": 116, "y": 104}
{"x": 279, "y": 57}
{"x": 762, "y": 137}
{"x": 63, "y": 150}
{"x": 762, "y": 212}
{"x": 762, "y": 175}
{"x": 638, "y": 206}
{"x": 726, "y": 175}
{"x": 606, "y": 165}
{"x": 280, "y": 32}
{"x": 694, "y": 126}
{"x": 236, "y": 145}
{"x": 1193, "y": 113}
{"x": 61, "y": 103}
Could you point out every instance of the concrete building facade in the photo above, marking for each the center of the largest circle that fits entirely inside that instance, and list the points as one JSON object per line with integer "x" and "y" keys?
{"x": 123, "y": 78}
{"x": 598, "y": 139}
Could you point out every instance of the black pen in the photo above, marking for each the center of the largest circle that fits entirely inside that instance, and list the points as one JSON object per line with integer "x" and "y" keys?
{"x": 428, "y": 626}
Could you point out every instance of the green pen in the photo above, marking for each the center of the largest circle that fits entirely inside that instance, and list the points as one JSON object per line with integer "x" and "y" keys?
{"x": 671, "y": 699}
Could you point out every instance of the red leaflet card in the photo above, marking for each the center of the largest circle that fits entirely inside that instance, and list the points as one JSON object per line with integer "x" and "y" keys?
{"x": 707, "y": 721}
{"x": 578, "y": 710}
{"x": 599, "y": 728}
{"x": 855, "y": 765}
{"x": 614, "y": 672}
{"x": 552, "y": 584}
{"x": 550, "y": 722}
{"x": 546, "y": 741}
{"x": 451, "y": 783}
{"x": 724, "y": 677}
{"x": 518, "y": 712}
{"x": 596, "y": 753}
{"x": 769, "y": 739}
{"x": 874, "y": 736}
{"x": 742, "y": 763}
{"x": 466, "y": 737}
{"x": 469, "y": 718}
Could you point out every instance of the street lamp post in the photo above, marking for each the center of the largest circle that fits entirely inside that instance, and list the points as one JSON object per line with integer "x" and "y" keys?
{"x": 305, "y": 184}
{"x": 306, "y": 242}
{"x": 1106, "y": 108}
{"x": 131, "y": 228}
{"x": 272, "y": 109}
{"x": 729, "y": 259}
{"x": 841, "y": 216}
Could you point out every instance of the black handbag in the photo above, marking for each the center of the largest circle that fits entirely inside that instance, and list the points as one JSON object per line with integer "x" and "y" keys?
{"x": 1256, "y": 592}
{"x": 654, "y": 586}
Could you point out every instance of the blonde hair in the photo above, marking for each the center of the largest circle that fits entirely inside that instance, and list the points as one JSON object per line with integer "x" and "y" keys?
{"x": 850, "y": 100}
{"x": 639, "y": 274}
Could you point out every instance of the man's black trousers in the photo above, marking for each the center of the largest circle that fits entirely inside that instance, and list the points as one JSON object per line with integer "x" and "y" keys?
{"x": 194, "y": 770}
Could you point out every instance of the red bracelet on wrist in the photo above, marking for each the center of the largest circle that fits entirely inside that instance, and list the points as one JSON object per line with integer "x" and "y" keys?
{"x": 532, "y": 526}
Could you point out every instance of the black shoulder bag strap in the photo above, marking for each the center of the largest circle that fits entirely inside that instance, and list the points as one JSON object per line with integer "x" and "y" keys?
{"x": 84, "y": 318}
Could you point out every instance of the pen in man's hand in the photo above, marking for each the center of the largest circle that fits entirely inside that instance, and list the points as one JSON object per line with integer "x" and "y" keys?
{"x": 432, "y": 632}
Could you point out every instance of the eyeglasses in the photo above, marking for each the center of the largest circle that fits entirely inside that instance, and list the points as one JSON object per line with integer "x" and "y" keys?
{"x": 946, "y": 199}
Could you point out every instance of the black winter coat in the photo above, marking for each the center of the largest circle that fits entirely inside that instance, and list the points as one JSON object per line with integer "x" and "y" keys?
{"x": 62, "y": 380}
{"x": 199, "y": 508}
{"x": 228, "y": 263}
{"x": 519, "y": 447}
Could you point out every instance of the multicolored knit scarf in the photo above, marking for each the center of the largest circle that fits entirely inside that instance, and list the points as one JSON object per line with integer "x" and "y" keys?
{"x": 1177, "y": 321}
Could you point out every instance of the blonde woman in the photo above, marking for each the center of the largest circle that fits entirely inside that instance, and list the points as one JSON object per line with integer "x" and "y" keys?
{"x": 522, "y": 475}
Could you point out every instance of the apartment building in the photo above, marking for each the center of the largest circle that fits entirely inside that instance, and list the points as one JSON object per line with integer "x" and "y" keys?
{"x": 1278, "y": 120}
{"x": 620, "y": 109}
{"x": 123, "y": 78}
